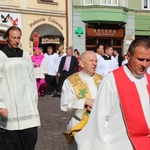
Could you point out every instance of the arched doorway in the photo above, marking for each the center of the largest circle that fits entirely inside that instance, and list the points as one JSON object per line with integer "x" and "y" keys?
{"x": 48, "y": 36}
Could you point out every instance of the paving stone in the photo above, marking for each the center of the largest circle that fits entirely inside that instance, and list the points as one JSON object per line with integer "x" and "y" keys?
{"x": 53, "y": 122}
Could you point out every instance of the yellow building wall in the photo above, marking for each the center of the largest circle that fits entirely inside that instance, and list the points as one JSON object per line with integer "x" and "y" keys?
{"x": 50, "y": 7}
{"x": 58, "y": 5}
{"x": 31, "y": 12}
{"x": 14, "y": 3}
{"x": 30, "y": 22}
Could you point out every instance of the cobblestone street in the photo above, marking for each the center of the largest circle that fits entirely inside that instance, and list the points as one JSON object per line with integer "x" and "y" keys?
{"x": 53, "y": 122}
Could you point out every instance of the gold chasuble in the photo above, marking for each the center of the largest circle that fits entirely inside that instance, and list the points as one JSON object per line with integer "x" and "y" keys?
{"x": 82, "y": 91}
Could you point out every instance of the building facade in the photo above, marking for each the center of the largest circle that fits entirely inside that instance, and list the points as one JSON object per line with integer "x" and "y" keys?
{"x": 45, "y": 22}
{"x": 113, "y": 22}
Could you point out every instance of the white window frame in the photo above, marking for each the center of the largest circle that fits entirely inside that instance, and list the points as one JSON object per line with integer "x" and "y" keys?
{"x": 148, "y": 5}
{"x": 109, "y": 4}
{"x": 86, "y": 4}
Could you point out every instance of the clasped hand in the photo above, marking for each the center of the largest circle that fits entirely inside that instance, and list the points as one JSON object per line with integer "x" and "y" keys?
{"x": 89, "y": 104}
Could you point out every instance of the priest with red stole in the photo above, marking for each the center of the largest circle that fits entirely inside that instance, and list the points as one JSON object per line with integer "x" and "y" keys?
{"x": 120, "y": 117}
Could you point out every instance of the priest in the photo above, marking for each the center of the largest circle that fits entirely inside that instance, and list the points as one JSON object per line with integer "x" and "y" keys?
{"x": 120, "y": 117}
{"x": 78, "y": 94}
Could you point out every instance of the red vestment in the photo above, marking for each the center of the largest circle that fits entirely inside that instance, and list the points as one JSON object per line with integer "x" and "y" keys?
{"x": 132, "y": 111}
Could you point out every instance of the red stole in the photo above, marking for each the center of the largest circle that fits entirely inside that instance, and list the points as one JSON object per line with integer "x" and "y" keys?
{"x": 134, "y": 118}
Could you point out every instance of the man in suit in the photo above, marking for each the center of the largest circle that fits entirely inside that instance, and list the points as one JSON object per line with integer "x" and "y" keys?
{"x": 68, "y": 65}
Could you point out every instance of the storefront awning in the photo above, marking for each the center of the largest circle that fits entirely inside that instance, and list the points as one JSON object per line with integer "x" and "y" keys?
{"x": 46, "y": 30}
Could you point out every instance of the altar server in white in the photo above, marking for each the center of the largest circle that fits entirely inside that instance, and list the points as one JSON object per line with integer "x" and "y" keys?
{"x": 19, "y": 116}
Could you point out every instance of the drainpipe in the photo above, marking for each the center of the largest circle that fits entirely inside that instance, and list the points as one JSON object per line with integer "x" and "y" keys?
{"x": 67, "y": 21}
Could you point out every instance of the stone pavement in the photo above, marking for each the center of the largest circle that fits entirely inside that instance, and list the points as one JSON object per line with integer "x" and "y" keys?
{"x": 53, "y": 122}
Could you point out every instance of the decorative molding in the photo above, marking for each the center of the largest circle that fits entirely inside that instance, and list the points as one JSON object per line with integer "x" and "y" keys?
{"x": 32, "y": 11}
{"x": 5, "y": 1}
{"x": 50, "y": 2}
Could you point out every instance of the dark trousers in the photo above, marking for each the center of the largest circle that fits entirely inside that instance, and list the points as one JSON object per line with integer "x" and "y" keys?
{"x": 51, "y": 83}
{"x": 18, "y": 139}
{"x": 62, "y": 78}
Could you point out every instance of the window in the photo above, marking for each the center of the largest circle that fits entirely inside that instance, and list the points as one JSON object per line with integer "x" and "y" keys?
{"x": 46, "y": 0}
{"x": 116, "y": 42}
{"x": 109, "y": 2}
{"x": 88, "y": 2}
{"x": 146, "y": 4}
{"x": 51, "y": 2}
{"x": 90, "y": 41}
{"x": 2, "y": 35}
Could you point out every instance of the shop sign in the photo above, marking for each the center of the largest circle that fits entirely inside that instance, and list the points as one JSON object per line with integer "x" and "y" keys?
{"x": 10, "y": 19}
{"x": 51, "y": 40}
{"x": 79, "y": 31}
{"x": 43, "y": 20}
{"x": 105, "y": 32}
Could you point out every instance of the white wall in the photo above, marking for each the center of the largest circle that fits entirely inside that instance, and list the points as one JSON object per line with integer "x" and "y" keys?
{"x": 129, "y": 31}
{"x": 78, "y": 42}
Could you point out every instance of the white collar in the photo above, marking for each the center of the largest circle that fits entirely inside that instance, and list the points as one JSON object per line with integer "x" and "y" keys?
{"x": 132, "y": 76}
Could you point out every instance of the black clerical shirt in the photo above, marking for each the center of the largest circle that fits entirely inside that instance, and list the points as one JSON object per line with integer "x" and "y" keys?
{"x": 106, "y": 57}
{"x": 9, "y": 52}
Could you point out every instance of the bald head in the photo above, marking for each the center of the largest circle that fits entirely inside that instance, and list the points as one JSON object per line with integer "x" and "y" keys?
{"x": 88, "y": 62}
{"x": 87, "y": 54}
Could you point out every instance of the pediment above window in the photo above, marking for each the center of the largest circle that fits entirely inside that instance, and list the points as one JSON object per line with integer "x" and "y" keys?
{"x": 50, "y": 2}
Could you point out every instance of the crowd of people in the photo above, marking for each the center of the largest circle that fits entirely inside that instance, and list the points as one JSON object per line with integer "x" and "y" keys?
{"x": 52, "y": 68}
{"x": 108, "y": 99}
{"x": 107, "y": 95}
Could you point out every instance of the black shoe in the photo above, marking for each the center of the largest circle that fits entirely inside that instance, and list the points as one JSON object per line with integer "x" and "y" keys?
{"x": 59, "y": 95}
{"x": 42, "y": 94}
{"x": 55, "y": 94}
{"x": 49, "y": 93}
{"x": 46, "y": 93}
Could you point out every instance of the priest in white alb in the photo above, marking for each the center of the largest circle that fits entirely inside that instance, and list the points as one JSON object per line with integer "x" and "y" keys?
{"x": 120, "y": 117}
{"x": 78, "y": 94}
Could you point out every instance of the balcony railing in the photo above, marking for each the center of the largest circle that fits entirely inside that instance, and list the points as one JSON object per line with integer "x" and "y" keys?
{"x": 105, "y": 2}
